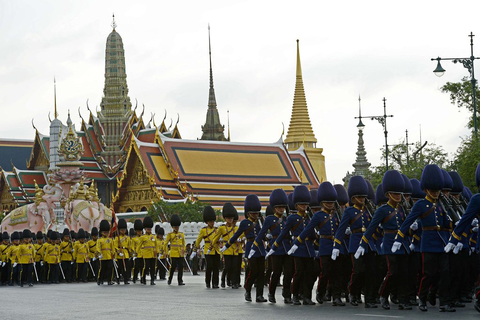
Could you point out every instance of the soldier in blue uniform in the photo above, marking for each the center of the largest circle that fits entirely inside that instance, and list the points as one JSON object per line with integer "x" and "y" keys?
{"x": 435, "y": 261}
{"x": 303, "y": 257}
{"x": 271, "y": 229}
{"x": 346, "y": 265}
{"x": 390, "y": 216}
{"x": 256, "y": 263}
{"x": 357, "y": 219}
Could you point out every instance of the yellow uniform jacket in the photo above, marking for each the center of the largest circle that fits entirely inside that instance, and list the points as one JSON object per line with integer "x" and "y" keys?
{"x": 92, "y": 249}
{"x": 177, "y": 244}
{"x": 25, "y": 253}
{"x": 105, "y": 248}
{"x": 66, "y": 251}
{"x": 80, "y": 252}
{"x": 3, "y": 251}
{"x": 122, "y": 244}
{"x": 238, "y": 245}
{"x": 160, "y": 251}
{"x": 52, "y": 254}
{"x": 148, "y": 246}
{"x": 226, "y": 233}
{"x": 39, "y": 251}
{"x": 136, "y": 249}
{"x": 12, "y": 253}
{"x": 208, "y": 236}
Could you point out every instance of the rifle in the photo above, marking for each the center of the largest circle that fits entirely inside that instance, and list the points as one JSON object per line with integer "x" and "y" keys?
{"x": 446, "y": 205}
{"x": 406, "y": 206}
{"x": 457, "y": 205}
{"x": 370, "y": 206}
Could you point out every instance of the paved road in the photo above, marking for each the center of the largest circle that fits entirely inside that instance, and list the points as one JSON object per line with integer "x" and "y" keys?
{"x": 192, "y": 301}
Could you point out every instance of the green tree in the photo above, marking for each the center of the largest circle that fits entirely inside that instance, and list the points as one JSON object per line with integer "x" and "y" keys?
{"x": 189, "y": 211}
{"x": 466, "y": 160}
{"x": 461, "y": 95}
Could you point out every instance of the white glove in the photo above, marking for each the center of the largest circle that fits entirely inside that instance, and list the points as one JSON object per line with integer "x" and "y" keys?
{"x": 209, "y": 250}
{"x": 251, "y": 253}
{"x": 456, "y": 223}
{"x": 159, "y": 258}
{"x": 360, "y": 252}
{"x": 316, "y": 253}
{"x": 15, "y": 264}
{"x": 449, "y": 247}
{"x": 269, "y": 253}
{"x": 269, "y": 236}
{"x": 335, "y": 254}
{"x": 100, "y": 257}
{"x": 475, "y": 222}
{"x": 396, "y": 246}
{"x": 381, "y": 245}
{"x": 292, "y": 250}
{"x": 94, "y": 258}
{"x": 72, "y": 262}
{"x": 412, "y": 247}
{"x": 3, "y": 264}
{"x": 414, "y": 226}
{"x": 120, "y": 254}
{"x": 41, "y": 263}
{"x": 472, "y": 250}
{"x": 348, "y": 231}
{"x": 475, "y": 229}
{"x": 223, "y": 249}
{"x": 134, "y": 258}
{"x": 457, "y": 248}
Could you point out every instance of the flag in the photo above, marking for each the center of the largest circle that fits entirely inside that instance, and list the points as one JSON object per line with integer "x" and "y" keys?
{"x": 113, "y": 223}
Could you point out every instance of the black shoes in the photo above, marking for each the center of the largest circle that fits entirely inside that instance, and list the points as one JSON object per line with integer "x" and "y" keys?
{"x": 248, "y": 296}
{"x": 223, "y": 284}
{"x": 208, "y": 285}
{"x": 260, "y": 299}
{"x": 319, "y": 298}
{"x": 432, "y": 299}
{"x": 384, "y": 303}
{"x": 446, "y": 308}
{"x": 289, "y": 301}
{"x": 394, "y": 299}
{"x": 308, "y": 302}
{"x": 152, "y": 283}
{"x": 296, "y": 301}
{"x": 215, "y": 286}
{"x": 422, "y": 305}
{"x": 413, "y": 302}
{"x": 370, "y": 305}
{"x": 271, "y": 298}
{"x": 353, "y": 300}
{"x": 338, "y": 303}
{"x": 458, "y": 304}
{"x": 404, "y": 306}
{"x": 169, "y": 281}
{"x": 181, "y": 283}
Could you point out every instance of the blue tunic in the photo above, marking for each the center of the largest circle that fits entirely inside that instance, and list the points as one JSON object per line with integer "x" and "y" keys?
{"x": 270, "y": 222}
{"x": 326, "y": 232}
{"x": 358, "y": 227}
{"x": 294, "y": 226}
{"x": 246, "y": 225}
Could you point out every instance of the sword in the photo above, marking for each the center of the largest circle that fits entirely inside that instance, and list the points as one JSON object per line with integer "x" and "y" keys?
{"x": 35, "y": 269}
{"x": 164, "y": 266}
{"x": 188, "y": 265}
{"x": 61, "y": 269}
{"x": 116, "y": 267}
{"x": 93, "y": 272}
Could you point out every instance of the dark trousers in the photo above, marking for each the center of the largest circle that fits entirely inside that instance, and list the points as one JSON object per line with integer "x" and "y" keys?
{"x": 281, "y": 263}
{"x": 396, "y": 278}
{"x": 228, "y": 269}
{"x": 268, "y": 270}
{"x": 330, "y": 274}
{"x": 238, "y": 269}
{"x": 213, "y": 266}
{"x": 14, "y": 272}
{"x": 40, "y": 272}
{"x": 53, "y": 272}
{"x": 176, "y": 263}
{"x": 363, "y": 276}
{"x": 106, "y": 271}
{"x": 302, "y": 282}
{"x": 435, "y": 268}
{"x": 148, "y": 266}
{"x": 195, "y": 265}
{"x": 255, "y": 274}
{"x": 137, "y": 268}
{"x": 161, "y": 268}
{"x": 67, "y": 270}
{"x": 414, "y": 274}
{"x": 124, "y": 269}
{"x": 5, "y": 274}
{"x": 81, "y": 271}
{"x": 26, "y": 271}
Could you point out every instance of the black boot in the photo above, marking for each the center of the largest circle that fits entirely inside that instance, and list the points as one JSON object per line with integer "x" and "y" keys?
{"x": 248, "y": 296}
{"x": 319, "y": 298}
{"x": 308, "y": 302}
{"x": 260, "y": 299}
{"x": 271, "y": 298}
{"x": 446, "y": 308}
{"x": 422, "y": 305}
{"x": 296, "y": 300}
{"x": 338, "y": 302}
{"x": 384, "y": 303}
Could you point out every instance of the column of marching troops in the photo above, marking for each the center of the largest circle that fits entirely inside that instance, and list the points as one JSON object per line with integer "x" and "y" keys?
{"x": 409, "y": 243}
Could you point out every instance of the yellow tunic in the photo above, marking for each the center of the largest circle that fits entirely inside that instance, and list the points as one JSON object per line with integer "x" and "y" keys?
{"x": 92, "y": 249}
{"x": 160, "y": 251}
{"x": 122, "y": 245}
{"x": 105, "y": 248}
{"x": 39, "y": 251}
{"x": 80, "y": 252}
{"x": 25, "y": 253}
{"x": 66, "y": 251}
{"x": 238, "y": 245}
{"x": 177, "y": 244}
{"x": 226, "y": 233}
{"x": 136, "y": 249}
{"x": 147, "y": 245}
{"x": 3, "y": 251}
{"x": 52, "y": 254}
{"x": 12, "y": 253}
{"x": 208, "y": 235}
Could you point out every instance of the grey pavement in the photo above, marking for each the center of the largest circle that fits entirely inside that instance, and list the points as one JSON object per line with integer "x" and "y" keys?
{"x": 192, "y": 301}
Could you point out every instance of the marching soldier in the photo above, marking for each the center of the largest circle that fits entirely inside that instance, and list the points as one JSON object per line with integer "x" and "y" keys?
{"x": 256, "y": 262}
{"x": 208, "y": 235}
{"x": 66, "y": 255}
{"x": 162, "y": 261}
{"x": 137, "y": 253}
{"x": 105, "y": 251}
{"x": 52, "y": 258}
{"x": 93, "y": 254}
{"x": 25, "y": 257}
{"x": 122, "y": 245}
{"x": 147, "y": 245}
{"x": 3, "y": 257}
{"x": 80, "y": 256}
{"x": 39, "y": 253}
{"x": 176, "y": 240}
{"x": 12, "y": 258}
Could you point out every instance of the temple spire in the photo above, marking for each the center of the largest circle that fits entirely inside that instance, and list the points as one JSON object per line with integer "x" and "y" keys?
{"x": 300, "y": 129}
{"x": 361, "y": 164}
{"x": 114, "y": 24}
{"x": 55, "y": 96}
{"x": 213, "y": 129}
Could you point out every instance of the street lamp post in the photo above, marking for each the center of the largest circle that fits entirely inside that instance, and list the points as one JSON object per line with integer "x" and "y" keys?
{"x": 383, "y": 121}
{"x": 468, "y": 63}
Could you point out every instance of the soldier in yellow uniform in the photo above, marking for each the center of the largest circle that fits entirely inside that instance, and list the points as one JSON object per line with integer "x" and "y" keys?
{"x": 39, "y": 253}
{"x": 176, "y": 240}
{"x": 211, "y": 251}
{"x": 122, "y": 244}
{"x": 3, "y": 257}
{"x": 66, "y": 255}
{"x": 137, "y": 253}
{"x": 25, "y": 256}
{"x": 225, "y": 232}
{"x": 93, "y": 255}
{"x": 52, "y": 258}
{"x": 162, "y": 261}
{"x": 80, "y": 256}
{"x": 12, "y": 259}
{"x": 105, "y": 250}
{"x": 147, "y": 245}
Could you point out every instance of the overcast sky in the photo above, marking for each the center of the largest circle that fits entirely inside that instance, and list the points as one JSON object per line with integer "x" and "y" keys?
{"x": 374, "y": 49}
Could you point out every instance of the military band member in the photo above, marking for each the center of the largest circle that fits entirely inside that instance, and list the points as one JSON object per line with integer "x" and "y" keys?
{"x": 176, "y": 241}
{"x": 209, "y": 237}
